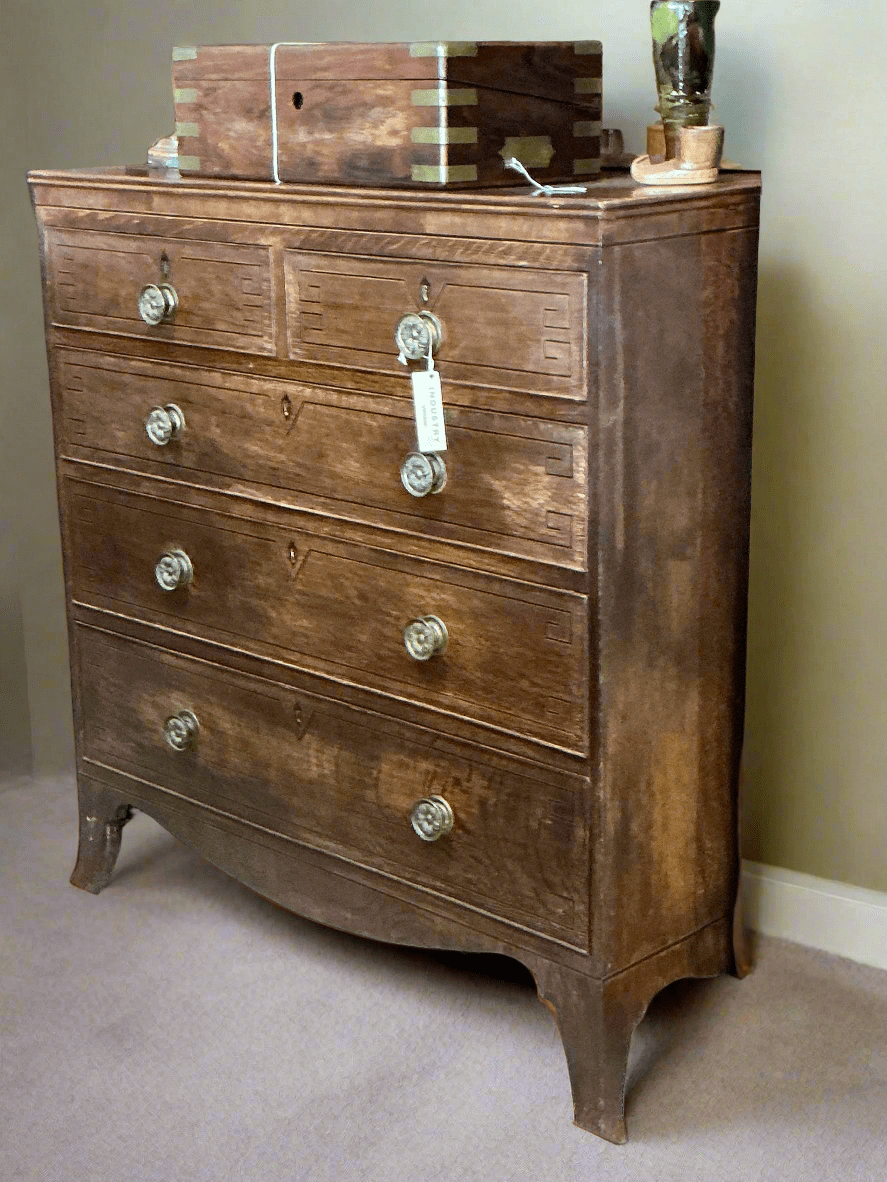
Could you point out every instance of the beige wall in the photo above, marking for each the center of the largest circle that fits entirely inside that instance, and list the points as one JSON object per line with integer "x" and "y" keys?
{"x": 802, "y": 95}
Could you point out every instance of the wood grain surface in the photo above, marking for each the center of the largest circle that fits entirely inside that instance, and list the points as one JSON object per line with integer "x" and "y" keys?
{"x": 224, "y": 291}
{"x": 517, "y": 653}
{"x": 514, "y": 483}
{"x": 338, "y": 780}
{"x": 523, "y": 329}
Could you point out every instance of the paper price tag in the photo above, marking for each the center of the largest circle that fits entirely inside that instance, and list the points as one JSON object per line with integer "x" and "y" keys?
{"x": 431, "y": 432}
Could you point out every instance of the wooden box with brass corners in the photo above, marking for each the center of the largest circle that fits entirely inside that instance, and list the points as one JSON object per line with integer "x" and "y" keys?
{"x": 486, "y": 698}
{"x": 428, "y": 114}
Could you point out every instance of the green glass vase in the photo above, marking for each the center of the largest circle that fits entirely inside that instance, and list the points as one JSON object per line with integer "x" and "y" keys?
{"x": 684, "y": 58}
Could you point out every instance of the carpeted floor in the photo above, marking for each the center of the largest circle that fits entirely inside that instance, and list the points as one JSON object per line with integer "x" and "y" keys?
{"x": 178, "y": 1028}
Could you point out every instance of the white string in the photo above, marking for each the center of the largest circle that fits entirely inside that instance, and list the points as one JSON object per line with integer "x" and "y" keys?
{"x": 542, "y": 190}
{"x": 272, "y": 82}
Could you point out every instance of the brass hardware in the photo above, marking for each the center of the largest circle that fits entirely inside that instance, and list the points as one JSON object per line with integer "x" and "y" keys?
{"x": 180, "y": 730}
{"x": 157, "y": 303}
{"x": 431, "y": 817}
{"x": 286, "y": 406}
{"x": 444, "y": 135}
{"x": 416, "y": 334}
{"x": 443, "y": 174}
{"x": 164, "y": 423}
{"x": 173, "y": 570}
{"x": 443, "y": 49}
{"x": 533, "y": 151}
{"x": 424, "y": 637}
{"x": 423, "y": 474}
{"x": 442, "y": 96}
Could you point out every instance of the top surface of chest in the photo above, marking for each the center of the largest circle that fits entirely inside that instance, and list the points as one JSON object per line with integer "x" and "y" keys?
{"x": 612, "y": 210}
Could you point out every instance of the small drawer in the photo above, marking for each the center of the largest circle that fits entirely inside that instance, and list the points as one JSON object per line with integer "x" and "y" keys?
{"x": 222, "y": 292}
{"x": 512, "y": 655}
{"x": 343, "y": 781}
{"x": 503, "y": 327}
{"x": 509, "y": 483}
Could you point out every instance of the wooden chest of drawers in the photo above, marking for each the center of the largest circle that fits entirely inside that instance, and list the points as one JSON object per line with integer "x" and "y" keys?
{"x": 250, "y": 583}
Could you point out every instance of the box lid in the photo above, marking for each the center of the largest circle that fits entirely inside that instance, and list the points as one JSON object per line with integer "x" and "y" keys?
{"x": 564, "y": 71}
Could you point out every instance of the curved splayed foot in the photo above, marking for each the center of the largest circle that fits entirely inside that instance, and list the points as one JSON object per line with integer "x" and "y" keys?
{"x": 102, "y": 817}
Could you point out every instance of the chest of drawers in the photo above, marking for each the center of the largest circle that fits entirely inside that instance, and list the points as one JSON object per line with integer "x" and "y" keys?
{"x": 504, "y": 715}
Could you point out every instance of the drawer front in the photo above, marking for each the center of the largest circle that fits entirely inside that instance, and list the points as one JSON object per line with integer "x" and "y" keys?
{"x": 513, "y": 484}
{"x": 503, "y": 327}
{"x": 224, "y": 290}
{"x": 516, "y": 653}
{"x": 342, "y": 780}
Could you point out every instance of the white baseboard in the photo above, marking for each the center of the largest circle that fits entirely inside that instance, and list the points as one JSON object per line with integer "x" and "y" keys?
{"x": 832, "y": 916}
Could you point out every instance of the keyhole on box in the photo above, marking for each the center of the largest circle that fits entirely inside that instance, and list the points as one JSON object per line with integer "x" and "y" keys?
{"x": 293, "y": 553}
{"x": 286, "y": 406}
{"x": 298, "y": 100}
{"x": 424, "y": 291}
{"x": 164, "y": 265}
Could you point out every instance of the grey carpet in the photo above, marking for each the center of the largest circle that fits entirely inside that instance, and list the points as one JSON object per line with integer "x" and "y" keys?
{"x": 177, "y": 1028}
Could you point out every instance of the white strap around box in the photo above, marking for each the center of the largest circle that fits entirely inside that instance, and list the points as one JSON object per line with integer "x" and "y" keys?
{"x": 441, "y": 54}
{"x": 272, "y": 83}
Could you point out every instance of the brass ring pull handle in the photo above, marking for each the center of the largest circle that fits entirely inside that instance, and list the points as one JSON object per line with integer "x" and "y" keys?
{"x": 164, "y": 423}
{"x": 180, "y": 731}
{"x": 431, "y": 818}
{"x": 173, "y": 570}
{"x": 157, "y": 303}
{"x": 424, "y": 637}
{"x": 417, "y": 334}
{"x": 423, "y": 474}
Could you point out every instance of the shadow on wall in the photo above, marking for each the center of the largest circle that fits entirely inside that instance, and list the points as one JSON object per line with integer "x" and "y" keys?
{"x": 15, "y": 715}
{"x": 790, "y": 494}
{"x": 741, "y": 101}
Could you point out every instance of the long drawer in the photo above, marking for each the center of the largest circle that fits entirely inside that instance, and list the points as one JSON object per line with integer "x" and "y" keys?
{"x": 513, "y": 484}
{"x": 224, "y": 290}
{"x": 515, "y": 655}
{"x": 340, "y": 780}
